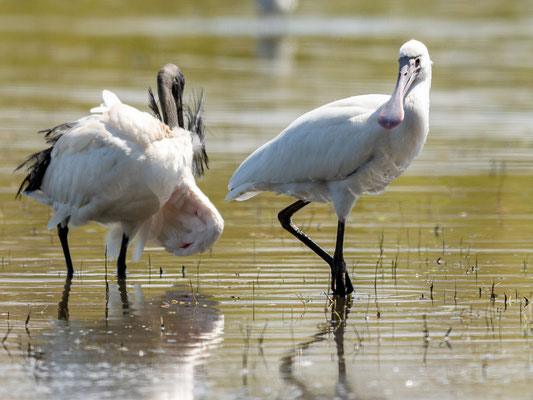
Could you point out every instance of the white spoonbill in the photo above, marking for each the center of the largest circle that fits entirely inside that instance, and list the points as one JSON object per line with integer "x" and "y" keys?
{"x": 130, "y": 171}
{"x": 341, "y": 150}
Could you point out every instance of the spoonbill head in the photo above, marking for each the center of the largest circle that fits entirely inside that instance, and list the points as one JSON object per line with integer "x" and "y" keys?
{"x": 341, "y": 150}
{"x": 415, "y": 68}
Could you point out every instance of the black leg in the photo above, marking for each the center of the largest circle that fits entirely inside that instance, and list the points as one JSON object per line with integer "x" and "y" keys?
{"x": 62, "y": 232}
{"x": 337, "y": 285}
{"x": 341, "y": 283}
{"x": 121, "y": 261}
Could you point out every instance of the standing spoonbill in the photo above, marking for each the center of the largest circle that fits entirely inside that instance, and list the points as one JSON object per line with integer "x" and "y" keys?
{"x": 130, "y": 171}
{"x": 341, "y": 150}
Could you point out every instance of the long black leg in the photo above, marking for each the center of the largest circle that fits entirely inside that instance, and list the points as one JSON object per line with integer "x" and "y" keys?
{"x": 341, "y": 283}
{"x": 62, "y": 232}
{"x": 121, "y": 261}
{"x": 338, "y": 287}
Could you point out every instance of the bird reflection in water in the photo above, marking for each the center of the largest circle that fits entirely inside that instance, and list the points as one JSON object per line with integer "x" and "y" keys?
{"x": 141, "y": 349}
{"x": 62, "y": 309}
{"x": 275, "y": 48}
{"x": 340, "y": 308}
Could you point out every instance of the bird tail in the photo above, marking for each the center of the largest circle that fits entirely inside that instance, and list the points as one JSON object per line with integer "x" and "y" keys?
{"x": 242, "y": 192}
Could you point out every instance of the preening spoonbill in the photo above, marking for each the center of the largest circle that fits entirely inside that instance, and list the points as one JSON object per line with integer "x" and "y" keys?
{"x": 130, "y": 171}
{"x": 341, "y": 150}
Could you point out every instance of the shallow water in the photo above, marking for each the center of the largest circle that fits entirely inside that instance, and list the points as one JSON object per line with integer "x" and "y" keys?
{"x": 440, "y": 261}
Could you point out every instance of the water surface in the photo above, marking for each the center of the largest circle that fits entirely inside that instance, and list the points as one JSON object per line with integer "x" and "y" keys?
{"x": 441, "y": 261}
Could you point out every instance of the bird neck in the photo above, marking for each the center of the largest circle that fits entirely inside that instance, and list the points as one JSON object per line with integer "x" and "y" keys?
{"x": 168, "y": 105}
{"x": 418, "y": 98}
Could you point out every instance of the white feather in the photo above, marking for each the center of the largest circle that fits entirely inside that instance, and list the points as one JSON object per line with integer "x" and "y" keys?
{"x": 142, "y": 237}
{"x": 110, "y": 98}
{"x": 113, "y": 240}
{"x": 188, "y": 223}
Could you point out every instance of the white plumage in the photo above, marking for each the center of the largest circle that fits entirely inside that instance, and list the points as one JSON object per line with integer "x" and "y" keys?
{"x": 341, "y": 150}
{"x": 128, "y": 170}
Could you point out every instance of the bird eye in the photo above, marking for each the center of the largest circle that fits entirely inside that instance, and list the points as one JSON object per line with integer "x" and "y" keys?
{"x": 417, "y": 63}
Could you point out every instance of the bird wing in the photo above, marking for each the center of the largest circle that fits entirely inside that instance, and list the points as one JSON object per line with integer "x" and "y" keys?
{"x": 104, "y": 158}
{"x": 188, "y": 223}
{"x": 89, "y": 173}
{"x": 327, "y": 143}
{"x": 128, "y": 123}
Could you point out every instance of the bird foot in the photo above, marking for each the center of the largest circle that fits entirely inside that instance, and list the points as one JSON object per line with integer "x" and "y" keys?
{"x": 341, "y": 284}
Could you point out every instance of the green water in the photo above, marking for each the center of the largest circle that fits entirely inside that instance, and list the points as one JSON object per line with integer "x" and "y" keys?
{"x": 440, "y": 261}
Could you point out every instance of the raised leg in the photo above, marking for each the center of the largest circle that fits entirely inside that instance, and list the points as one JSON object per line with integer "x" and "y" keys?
{"x": 285, "y": 216}
{"x": 340, "y": 281}
{"x": 62, "y": 232}
{"x": 121, "y": 261}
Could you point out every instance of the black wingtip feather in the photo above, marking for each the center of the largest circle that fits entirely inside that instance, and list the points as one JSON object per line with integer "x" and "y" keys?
{"x": 195, "y": 117}
{"x": 37, "y": 163}
{"x": 196, "y": 126}
{"x": 36, "y": 166}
